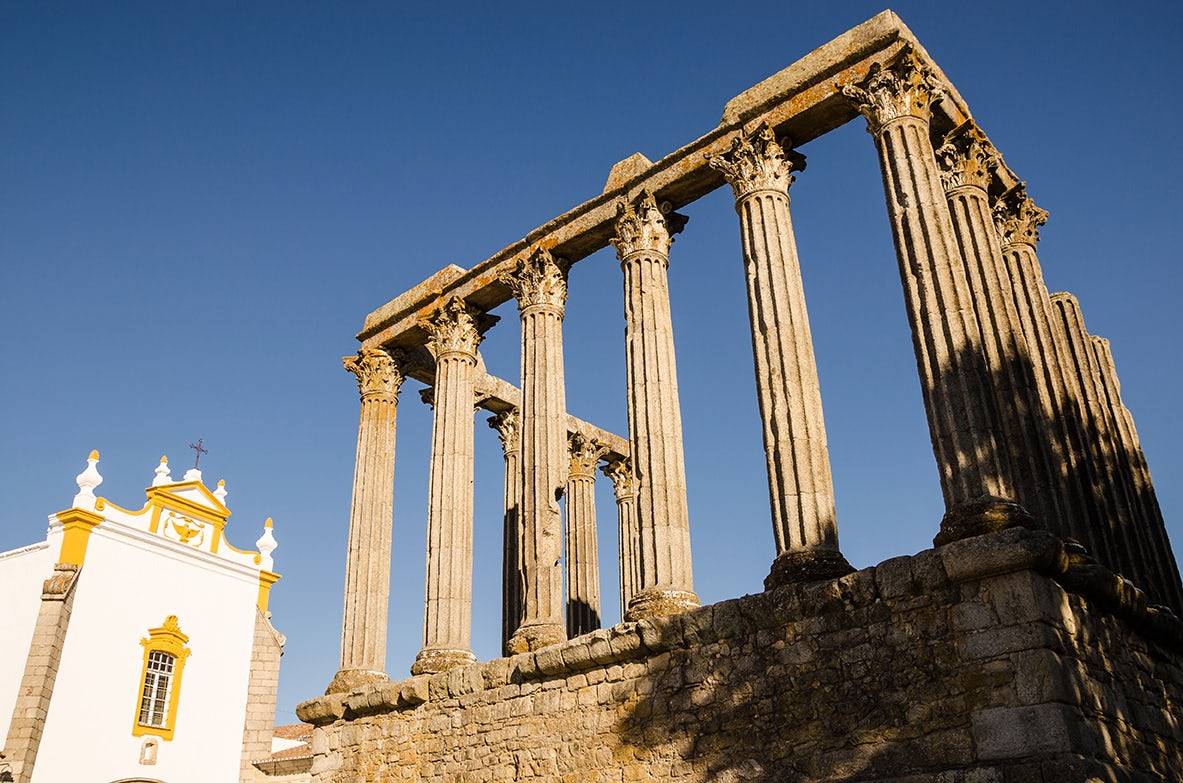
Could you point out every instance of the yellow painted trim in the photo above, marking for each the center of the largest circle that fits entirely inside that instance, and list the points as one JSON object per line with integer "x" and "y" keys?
{"x": 168, "y": 493}
{"x": 168, "y": 638}
{"x": 76, "y": 526}
{"x": 266, "y": 579}
{"x": 101, "y": 503}
{"x": 154, "y": 522}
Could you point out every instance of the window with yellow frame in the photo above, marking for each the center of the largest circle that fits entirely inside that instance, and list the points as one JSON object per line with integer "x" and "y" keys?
{"x": 160, "y": 680}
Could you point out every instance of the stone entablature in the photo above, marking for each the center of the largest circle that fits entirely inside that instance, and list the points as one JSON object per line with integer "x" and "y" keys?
{"x": 981, "y": 660}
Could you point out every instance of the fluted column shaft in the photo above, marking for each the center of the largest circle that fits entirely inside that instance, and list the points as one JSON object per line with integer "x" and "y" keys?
{"x": 367, "y": 561}
{"x": 447, "y": 619}
{"x": 655, "y": 419}
{"x": 1082, "y": 376}
{"x": 1162, "y": 572}
{"x": 508, "y": 426}
{"x": 582, "y": 548}
{"x": 800, "y": 486}
{"x": 624, "y": 486}
{"x": 1017, "y": 220}
{"x": 540, "y": 285}
{"x": 945, "y": 332}
{"x": 967, "y": 161}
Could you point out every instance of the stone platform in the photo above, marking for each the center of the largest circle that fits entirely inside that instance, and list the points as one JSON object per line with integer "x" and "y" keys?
{"x": 994, "y": 659}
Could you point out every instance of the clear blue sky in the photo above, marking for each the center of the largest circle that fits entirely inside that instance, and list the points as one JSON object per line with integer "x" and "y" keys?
{"x": 200, "y": 203}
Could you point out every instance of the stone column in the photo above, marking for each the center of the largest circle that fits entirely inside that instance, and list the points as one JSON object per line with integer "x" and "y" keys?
{"x": 1083, "y": 375}
{"x": 455, "y": 331}
{"x": 804, "y": 521}
{"x": 896, "y": 102}
{"x": 642, "y": 244}
{"x": 582, "y": 550}
{"x": 1162, "y": 571}
{"x": 367, "y": 561}
{"x": 967, "y": 161}
{"x": 539, "y": 283}
{"x": 508, "y": 426}
{"x": 1017, "y": 220}
{"x": 624, "y": 485}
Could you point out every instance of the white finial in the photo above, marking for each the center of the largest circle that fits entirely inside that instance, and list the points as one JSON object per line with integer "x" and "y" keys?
{"x": 162, "y": 474}
{"x": 87, "y": 481}
{"x": 220, "y": 492}
{"x": 192, "y": 474}
{"x": 267, "y": 544}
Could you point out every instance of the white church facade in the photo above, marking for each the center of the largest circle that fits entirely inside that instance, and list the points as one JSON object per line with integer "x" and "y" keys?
{"x": 137, "y": 643}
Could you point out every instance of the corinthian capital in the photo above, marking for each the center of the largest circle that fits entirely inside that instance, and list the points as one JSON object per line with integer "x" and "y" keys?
{"x": 585, "y": 453}
{"x": 906, "y": 88}
{"x": 456, "y": 328}
{"x": 641, "y": 226}
{"x": 379, "y": 374}
{"x": 509, "y": 429}
{"x": 620, "y": 471}
{"x": 539, "y": 280}
{"x": 757, "y": 162}
{"x": 1017, "y": 217}
{"x": 967, "y": 157}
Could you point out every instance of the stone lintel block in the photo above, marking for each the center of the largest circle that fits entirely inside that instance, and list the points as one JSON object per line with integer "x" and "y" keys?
{"x": 910, "y": 575}
{"x": 658, "y": 634}
{"x": 496, "y": 673}
{"x": 372, "y": 699}
{"x": 576, "y": 656}
{"x": 625, "y": 641}
{"x": 413, "y": 691}
{"x": 437, "y": 686}
{"x": 464, "y": 680}
{"x": 1017, "y": 732}
{"x": 550, "y": 661}
{"x": 523, "y": 666}
{"x": 322, "y": 710}
{"x": 1014, "y": 549}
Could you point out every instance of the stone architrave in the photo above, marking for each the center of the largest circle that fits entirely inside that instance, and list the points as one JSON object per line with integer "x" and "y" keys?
{"x": 367, "y": 562}
{"x": 624, "y": 486}
{"x": 508, "y": 427}
{"x": 1084, "y": 376}
{"x": 539, "y": 283}
{"x": 642, "y": 242}
{"x": 1017, "y": 220}
{"x": 582, "y": 549}
{"x": 1162, "y": 570}
{"x": 801, "y": 489}
{"x": 896, "y": 101}
{"x": 968, "y": 161}
{"x": 455, "y": 332}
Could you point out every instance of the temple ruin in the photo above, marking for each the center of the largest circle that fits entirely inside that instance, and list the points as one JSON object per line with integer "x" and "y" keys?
{"x": 1038, "y": 640}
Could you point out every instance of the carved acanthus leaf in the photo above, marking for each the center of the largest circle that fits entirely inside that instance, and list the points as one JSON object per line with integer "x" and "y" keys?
{"x": 509, "y": 430}
{"x": 456, "y": 328}
{"x": 620, "y": 471}
{"x": 641, "y": 226}
{"x": 906, "y": 88}
{"x": 1017, "y": 217}
{"x": 585, "y": 454}
{"x": 379, "y": 373}
{"x": 756, "y": 161}
{"x": 966, "y": 157}
{"x": 538, "y": 280}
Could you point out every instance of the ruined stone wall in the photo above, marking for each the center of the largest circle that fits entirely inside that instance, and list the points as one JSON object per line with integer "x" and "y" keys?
{"x": 971, "y": 661}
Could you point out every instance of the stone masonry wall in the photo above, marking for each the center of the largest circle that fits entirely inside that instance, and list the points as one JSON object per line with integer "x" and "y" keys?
{"x": 972, "y": 663}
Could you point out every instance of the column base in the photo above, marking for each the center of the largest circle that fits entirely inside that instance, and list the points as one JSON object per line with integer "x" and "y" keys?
{"x": 983, "y": 515}
{"x": 535, "y": 636}
{"x": 656, "y": 602}
{"x": 799, "y": 566}
{"x": 433, "y": 660}
{"x": 348, "y": 679}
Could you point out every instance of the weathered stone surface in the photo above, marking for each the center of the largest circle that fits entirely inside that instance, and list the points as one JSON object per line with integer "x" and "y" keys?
{"x": 995, "y": 673}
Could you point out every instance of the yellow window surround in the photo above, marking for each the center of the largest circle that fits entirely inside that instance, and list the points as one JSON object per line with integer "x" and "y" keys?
{"x": 168, "y": 639}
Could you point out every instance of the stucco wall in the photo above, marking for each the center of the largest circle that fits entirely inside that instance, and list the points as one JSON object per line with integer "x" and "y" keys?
{"x": 22, "y": 572}
{"x": 130, "y": 582}
{"x": 971, "y": 662}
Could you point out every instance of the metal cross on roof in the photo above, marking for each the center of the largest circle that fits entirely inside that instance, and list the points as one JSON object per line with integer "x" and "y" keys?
{"x": 199, "y": 449}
